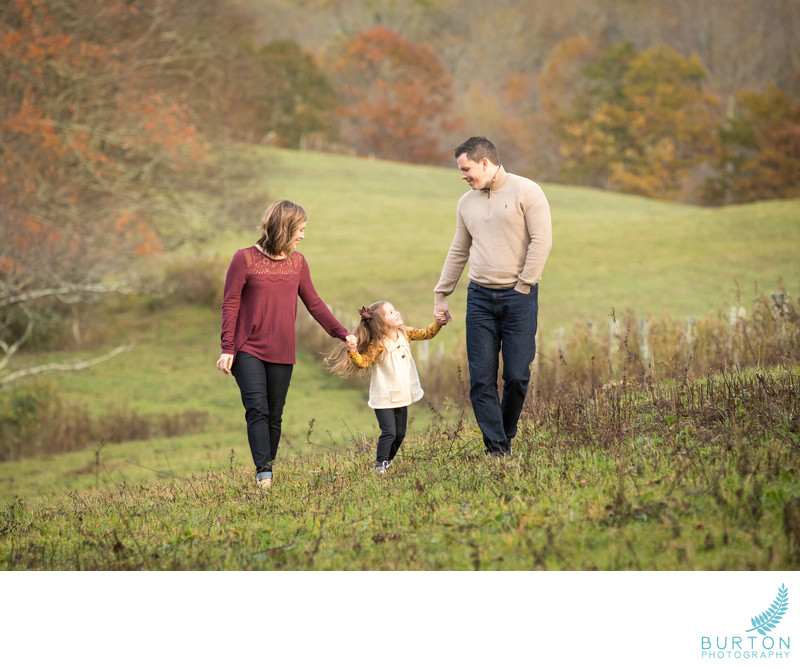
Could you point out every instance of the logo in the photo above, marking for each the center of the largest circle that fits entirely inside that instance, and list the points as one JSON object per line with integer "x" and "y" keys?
{"x": 763, "y": 645}
{"x": 768, "y": 620}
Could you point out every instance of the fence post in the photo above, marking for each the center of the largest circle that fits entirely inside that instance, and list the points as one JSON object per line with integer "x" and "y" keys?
{"x": 689, "y": 338}
{"x": 780, "y": 312}
{"x": 779, "y": 307}
{"x": 644, "y": 346}
{"x": 737, "y": 315}
{"x": 559, "y": 339}
{"x": 424, "y": 352}
{"x": 613, "y": 344}
{"x": 559, "y": 336}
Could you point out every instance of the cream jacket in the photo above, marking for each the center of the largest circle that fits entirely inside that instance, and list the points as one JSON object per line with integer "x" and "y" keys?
{"x": 395, "y": 381}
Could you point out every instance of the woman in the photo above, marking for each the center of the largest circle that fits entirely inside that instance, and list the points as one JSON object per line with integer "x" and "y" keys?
{"x": 259, "y": 307}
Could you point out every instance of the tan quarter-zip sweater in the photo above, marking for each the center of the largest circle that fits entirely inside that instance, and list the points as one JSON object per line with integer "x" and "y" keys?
{"x": 504, "y": 232}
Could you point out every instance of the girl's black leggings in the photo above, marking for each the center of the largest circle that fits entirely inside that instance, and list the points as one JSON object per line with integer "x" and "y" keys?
{"x": 393, "y": 430}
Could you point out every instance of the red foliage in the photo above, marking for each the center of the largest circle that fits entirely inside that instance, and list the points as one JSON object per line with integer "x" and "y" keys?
{"x": 398, "y": 97}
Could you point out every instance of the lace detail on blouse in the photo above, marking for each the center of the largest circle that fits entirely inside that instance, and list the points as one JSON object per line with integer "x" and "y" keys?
{"x": 262, "y": 266}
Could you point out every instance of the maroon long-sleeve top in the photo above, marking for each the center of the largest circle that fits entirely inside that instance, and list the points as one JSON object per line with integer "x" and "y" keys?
{"x": 259, "y": 305}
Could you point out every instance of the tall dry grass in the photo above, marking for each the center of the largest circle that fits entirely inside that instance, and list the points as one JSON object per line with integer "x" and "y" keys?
{"x": 630, "y": 349}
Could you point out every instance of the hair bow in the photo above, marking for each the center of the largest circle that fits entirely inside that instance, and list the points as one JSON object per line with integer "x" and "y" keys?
{"x": 364, "y": 312}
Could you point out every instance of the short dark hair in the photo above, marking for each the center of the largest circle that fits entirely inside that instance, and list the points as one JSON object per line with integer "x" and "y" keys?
{"x": 478, "y": 148}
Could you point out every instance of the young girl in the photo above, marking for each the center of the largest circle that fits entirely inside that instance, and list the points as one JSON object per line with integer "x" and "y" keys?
{"x": 383, "y": 342}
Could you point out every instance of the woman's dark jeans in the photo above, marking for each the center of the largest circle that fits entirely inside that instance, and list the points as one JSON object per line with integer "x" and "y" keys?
{"x": 263, "y": 386}
{"x": 500, "y": 321}
{"x": 393, "y": 430}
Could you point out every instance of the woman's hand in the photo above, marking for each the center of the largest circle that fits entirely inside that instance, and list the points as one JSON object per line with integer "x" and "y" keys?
{"x": 225, "y": 363}
{"x": 352, "y": 342}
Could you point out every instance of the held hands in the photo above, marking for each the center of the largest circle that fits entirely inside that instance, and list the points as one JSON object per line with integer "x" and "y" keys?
{"x": 441, "y": 313}
{"x": 225, "y": 362}
{"x": 351, "y": 342}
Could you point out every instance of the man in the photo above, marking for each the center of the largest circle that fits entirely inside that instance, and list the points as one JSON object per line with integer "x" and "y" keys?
{"x": 503, "y": 229}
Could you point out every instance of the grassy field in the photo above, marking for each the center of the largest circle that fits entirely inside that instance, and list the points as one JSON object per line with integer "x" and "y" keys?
{"x": 700, "y": 476}
{"x": 380, "y": 230}
{"x": 171, "y": 370}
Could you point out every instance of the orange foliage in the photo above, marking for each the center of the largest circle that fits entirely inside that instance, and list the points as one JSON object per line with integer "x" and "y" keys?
{"x": 68, "y": 154}
{"x": 760, "y": 154}
{"x": 561, "y": 80}
{"x": 123, "y": 221}
{"x": 517, "y": 88}
{"x": 397, "y": 96}
{"x": 636, "y": 123}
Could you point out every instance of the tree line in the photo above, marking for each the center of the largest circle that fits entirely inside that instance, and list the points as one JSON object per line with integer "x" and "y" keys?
{"x": 666, "y": 98}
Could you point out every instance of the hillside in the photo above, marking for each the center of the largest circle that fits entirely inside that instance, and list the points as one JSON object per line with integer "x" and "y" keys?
{"x": 380, "y": 230}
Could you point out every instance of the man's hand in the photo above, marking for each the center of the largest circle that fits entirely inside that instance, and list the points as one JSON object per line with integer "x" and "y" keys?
{"x": 441, "y": 313}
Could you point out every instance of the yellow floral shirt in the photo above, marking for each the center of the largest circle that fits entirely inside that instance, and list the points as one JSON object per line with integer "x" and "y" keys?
{"x": 375, "y": 348}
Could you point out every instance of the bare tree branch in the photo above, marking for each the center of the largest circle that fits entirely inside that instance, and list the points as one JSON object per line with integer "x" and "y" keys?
{"x": 62, "y": 292}
{"x": 10, "y": 350}
{"x": 64, "y": 367}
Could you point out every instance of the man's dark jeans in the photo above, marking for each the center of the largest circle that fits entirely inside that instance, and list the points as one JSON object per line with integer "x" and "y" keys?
{"x": 263, "y": 386}
{"x": 500, "y": 322}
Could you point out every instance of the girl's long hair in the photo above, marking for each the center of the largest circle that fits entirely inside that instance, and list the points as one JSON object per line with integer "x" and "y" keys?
{"x": 279, "y": 225}
{"x": 372, "y": 327}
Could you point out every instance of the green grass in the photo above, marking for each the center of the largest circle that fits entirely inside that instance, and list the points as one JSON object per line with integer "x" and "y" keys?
{"x": 171, "y": 370}
{"x": 711, "y": 490}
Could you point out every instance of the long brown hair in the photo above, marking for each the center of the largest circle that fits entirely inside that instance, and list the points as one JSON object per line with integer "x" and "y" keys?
{"x": 372, "y": 327}
{"x": 279, "y": 225}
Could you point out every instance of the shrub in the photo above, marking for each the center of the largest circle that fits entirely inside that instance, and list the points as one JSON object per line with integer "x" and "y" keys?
{"x": 34, "y": 421}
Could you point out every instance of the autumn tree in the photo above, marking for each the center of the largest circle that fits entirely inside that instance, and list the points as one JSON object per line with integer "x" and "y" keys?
{"x": 561, "y": 86}
{"x": 759, "y": 150}
{"x": 395, "y": 97}
{"x": 86, "y": 140}
{"x": 292, "y": 97}
{"x": 588, "y": 137}
{"x": 236, "y": 90}
{"x": 644, "y": 122}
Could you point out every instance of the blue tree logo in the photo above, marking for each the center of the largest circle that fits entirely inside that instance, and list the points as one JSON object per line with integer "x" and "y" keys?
{"x": 768, "y": 620}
